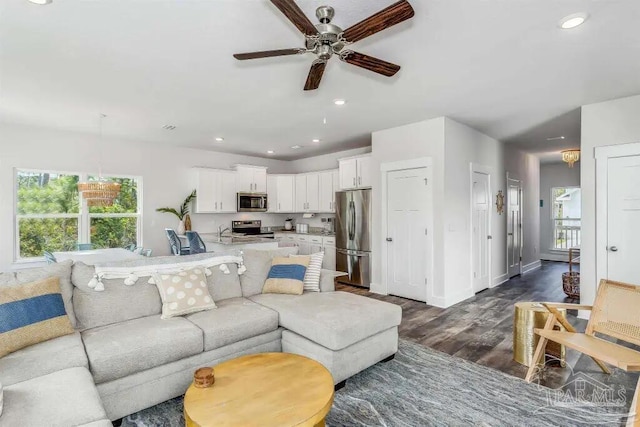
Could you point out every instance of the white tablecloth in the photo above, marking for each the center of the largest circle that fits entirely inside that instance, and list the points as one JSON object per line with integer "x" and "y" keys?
{"x": 98, "y": 256}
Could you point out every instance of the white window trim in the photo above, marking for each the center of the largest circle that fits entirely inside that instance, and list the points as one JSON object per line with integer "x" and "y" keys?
{"x": 83, "y": 216}
{"x": 553, "y": 220}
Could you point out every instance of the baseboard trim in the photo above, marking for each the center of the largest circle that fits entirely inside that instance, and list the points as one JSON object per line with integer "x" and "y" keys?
{"x": 499, "y": 280}
{"x": 531, "y": 266}
{"x": 563, "y": 257}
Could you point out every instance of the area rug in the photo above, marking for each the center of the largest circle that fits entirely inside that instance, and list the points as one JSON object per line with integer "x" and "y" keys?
{"x": 424, "y": 387}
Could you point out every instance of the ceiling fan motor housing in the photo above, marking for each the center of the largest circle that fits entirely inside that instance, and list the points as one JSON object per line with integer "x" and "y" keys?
{"x": 325, "y": 14}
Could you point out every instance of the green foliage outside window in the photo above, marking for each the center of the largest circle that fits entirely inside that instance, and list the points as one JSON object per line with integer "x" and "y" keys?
{"x": 57, "y": 195}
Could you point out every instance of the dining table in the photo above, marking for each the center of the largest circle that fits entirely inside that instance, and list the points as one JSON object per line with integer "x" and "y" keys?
{"x": 98, "y": 256}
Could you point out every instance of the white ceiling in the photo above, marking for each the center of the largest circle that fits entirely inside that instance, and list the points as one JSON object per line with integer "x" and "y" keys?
{"x": 501, "y": 66}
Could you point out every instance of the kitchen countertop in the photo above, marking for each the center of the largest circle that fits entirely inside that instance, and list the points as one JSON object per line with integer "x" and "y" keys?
{"x": 232, "y": 240}
{"x": 310, "y": 233}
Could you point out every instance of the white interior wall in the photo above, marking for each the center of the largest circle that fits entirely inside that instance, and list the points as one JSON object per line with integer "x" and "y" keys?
{"x": 606, "y": 123}
{"x": 326, "y": 161}
{"x": 164, "y": 170}
{"x": 553, "y": 175}
{"x": 453, "y": 148}
{"x": 422, "y": 139}
{"x": 526, "y": 168}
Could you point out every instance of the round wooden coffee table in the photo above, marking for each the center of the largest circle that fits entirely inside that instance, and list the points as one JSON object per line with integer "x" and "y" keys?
{"x": 268, "y": 389}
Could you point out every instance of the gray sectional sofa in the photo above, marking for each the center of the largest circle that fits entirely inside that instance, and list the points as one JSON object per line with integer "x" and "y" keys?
{"x": 124, "y": 357}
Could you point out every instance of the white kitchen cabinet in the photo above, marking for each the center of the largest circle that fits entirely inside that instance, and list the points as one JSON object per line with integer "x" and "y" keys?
{"x": 327, "y": 197}
{"x": 215, "y": 191}
{"x": 315, "y": 244}
{"x": 307, "y": 192}
{"x": 356, "y": 172}
{"x": 251, "y": 179}
{"x": 329, "y": 247}
{"x": 272, "y": 193}
{"x": 285, "y": 197}
{"x": 336, "y": 188}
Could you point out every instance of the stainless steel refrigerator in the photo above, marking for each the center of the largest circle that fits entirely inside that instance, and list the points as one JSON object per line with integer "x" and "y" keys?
{"x": 353, "y": 237}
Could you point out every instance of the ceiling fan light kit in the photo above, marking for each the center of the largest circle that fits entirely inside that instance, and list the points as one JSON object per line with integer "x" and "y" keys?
{"x": 326, "y": 39}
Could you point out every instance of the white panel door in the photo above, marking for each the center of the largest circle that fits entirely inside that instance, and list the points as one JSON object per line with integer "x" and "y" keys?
{"x": 227, "y": 191}
{"x": 365, "y": 173}
{"x": 313, "y": 192}
{"x": 408, "y": 214}
{"x": 326, "y": 192}
{"x": 623, "y": 219}
{"x": 514, "y": 227}
{"x": 272, "y": 193}
{"x": 348, "y": 174}
{"x": 301, "y": 193}
{"x": 206, "y": 188}
{"x": 481, "y": 243}
{"x": 286, "y": 188}
{"x": 260, "y": 180}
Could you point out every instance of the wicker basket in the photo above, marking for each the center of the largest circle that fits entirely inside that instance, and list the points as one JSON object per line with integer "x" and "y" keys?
{"x": 571, "y": 284}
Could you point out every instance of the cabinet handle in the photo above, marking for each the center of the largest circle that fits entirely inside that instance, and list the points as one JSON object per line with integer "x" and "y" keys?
{"x": 354, "y": 182}
{"x": 216, "y": 205}
{"x": 221, "y": 206}
{"x": 279, "y": 206}
{"x": 360, "y": 180}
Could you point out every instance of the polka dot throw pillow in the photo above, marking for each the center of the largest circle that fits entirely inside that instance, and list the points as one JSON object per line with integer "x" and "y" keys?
{"x": 183, "y": 292}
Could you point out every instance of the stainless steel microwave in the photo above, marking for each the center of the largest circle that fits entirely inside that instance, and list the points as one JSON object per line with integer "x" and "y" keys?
{"x": 252, "y": 202}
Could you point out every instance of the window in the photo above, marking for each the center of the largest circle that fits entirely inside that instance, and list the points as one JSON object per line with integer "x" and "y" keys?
{"x": 51, "y": 216}
{"x": 566, "y": 216}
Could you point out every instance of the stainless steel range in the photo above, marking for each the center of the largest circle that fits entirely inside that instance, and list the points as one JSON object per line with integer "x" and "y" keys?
{"x": 251, "y": 228}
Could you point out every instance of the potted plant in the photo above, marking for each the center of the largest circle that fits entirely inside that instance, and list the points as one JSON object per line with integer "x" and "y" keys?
{"x": 288, "y": 224}
{"x": 182, "y": 213}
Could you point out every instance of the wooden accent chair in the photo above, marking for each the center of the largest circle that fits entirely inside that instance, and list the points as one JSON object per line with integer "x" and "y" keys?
{"x": 616, "y": 314}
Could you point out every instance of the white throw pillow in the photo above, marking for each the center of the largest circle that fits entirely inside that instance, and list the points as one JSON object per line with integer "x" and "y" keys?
{"x": 312, "y": 276}
{"x": 184, "y": 292}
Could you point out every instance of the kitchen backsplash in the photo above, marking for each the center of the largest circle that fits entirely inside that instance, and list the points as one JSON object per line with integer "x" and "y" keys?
{"x": 208, "y": 223}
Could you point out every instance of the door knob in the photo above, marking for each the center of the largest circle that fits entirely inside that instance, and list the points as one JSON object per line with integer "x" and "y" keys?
{"x": 613, "y": 249}
{"x": 389, "y": 239}
{"x": 509, "y": 234}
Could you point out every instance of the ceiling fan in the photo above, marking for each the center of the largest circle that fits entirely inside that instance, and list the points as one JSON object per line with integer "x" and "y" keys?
{"x": 326, "y": 39}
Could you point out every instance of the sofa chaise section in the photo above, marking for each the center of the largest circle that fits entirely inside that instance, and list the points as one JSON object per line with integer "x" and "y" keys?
{"x": 42, "y": 359}
{"x": 60, "y": 399}
{"x": 345, "y": 332}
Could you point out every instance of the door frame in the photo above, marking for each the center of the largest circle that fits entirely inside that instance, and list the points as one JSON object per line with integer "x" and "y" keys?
{"x": 602, "y": 155}
{"x": 385, "y": 168}
{"x": 511, "y": 177}
{"x": 487, "y": 170}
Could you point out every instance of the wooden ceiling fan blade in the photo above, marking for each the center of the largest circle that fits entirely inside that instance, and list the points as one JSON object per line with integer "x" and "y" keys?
{"x": 370, "y": 63}
{"x": 297, "y": 17}
{"x": 315, "y": 75}
{"x": 268, "y": 53}
{"x": 388, "y": 17}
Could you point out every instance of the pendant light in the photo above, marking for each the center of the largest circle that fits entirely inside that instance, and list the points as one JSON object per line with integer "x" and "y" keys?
{"x": 100, "y": 192}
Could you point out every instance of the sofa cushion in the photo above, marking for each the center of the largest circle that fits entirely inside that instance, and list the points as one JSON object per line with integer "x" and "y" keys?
{"x": 258, "y": 264}
{"x": 224, "y": 286}
{"x": 234, "y": 320}
{"x": 115, "y": 351}
{"x": 62, "y": 270}
{"x": 31, "y": 313}
{"x": 60, "y": 399}
{"x": 333, "y": 319}
{"x": 117, "y": 303}
{"x": 42, "y": 359}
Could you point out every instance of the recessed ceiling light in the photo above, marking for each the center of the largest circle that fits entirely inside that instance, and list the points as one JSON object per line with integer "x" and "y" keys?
{"x": 168, "y": 127}
{"x": 40, "y": 1}
{"x": 219, "y": 139}
{"x": 296, "y": 147}
{"x": 339, "y": 102}
{"x": 315, "y": 140}
{"x": 573, "y": 20}
{"x": 270, "y": 152}
{"x": 555, "y": 138}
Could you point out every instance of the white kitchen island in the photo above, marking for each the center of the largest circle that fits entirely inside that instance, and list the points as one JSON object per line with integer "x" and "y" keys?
{"x": 228, "y": 243}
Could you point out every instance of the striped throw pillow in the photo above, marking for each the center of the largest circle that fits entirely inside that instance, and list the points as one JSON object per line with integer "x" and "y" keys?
{"x": 286, "y": 276}
{"x": 312, "y": 276}
{"x": 31, "y": 313}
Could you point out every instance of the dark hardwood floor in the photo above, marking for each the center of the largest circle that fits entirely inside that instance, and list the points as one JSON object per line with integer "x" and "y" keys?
{"x": 480, "y": 329}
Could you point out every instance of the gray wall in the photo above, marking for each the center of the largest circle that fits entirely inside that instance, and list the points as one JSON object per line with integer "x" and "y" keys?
{"x": 553, "y": 175}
